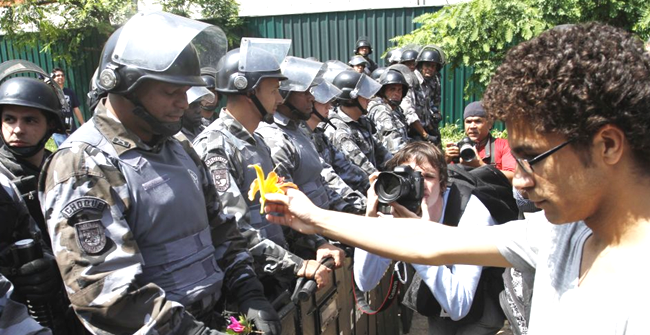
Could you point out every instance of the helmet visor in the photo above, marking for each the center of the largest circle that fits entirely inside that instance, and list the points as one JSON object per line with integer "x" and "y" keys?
{"x": 334, "y": 67}
{"x": 366, "y": 87}
{"x": 262, "y": 54}
{"x": 301, "y": 74}
{"x": 12, "y": 67}
{"x": 195, "y": 93}
{"x": 325, "y": 92}
{"x": 410, "y": 77}
{"x": 153, "y": 40}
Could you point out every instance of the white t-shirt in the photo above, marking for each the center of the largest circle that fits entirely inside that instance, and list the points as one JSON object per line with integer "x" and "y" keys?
{"x": 619, "y": 305}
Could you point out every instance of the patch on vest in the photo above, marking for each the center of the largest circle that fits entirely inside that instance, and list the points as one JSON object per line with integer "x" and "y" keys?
{"x": 221, "y": 179}
{"x": 83, "y": 203}
{"x": 222, "y": 161}
{"x": 91, "y": 236}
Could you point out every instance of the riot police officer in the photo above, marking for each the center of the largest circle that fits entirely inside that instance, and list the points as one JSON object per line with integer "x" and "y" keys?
{"x": 429, "y": 64}
{"x": 385, "y": 112}
{"x": 192, "y": 117}
{"x": 353, "y": 133}
{"x": 31, "y": 113}
{"x": 364, "y": 48}
{"x": 230, "y": 145}
{"x": 138, "y": 229}
{"x": 209, "y": 108}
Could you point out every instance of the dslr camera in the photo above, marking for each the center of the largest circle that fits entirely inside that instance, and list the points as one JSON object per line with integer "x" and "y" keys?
{"x": 466, "y": 149}
{"x": 402, "y": 185}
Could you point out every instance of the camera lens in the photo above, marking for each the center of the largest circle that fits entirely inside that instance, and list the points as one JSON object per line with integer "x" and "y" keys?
{"x": 388, "y": 187}
{"x": 467, "y": 152}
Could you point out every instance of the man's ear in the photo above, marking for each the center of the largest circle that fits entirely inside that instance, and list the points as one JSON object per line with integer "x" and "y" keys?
{"x": 609, "y": 144}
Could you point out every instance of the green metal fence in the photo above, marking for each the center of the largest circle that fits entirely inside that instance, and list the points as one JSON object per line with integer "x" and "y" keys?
{"x": 322, "y": 35}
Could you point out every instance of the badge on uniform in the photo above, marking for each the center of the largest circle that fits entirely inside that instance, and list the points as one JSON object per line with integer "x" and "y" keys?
{"x": 221, "y": 179}
{"x": 91, "y": 236}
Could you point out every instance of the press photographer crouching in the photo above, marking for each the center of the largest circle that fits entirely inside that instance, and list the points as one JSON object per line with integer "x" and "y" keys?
{"x": 455, "y": 298}
{"x": 479, "y": 142}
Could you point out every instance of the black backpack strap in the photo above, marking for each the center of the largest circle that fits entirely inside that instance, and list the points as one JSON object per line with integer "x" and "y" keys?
{"x": 456, "y": 203}
{"x": 393, "y": 292}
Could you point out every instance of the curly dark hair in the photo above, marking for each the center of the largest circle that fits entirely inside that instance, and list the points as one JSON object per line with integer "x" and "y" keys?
{"x": 421, "y": 152}
{"x": 572, "y": 80}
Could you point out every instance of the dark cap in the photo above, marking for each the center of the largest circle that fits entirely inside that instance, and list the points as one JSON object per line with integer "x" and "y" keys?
{"x": 474, "y": 109}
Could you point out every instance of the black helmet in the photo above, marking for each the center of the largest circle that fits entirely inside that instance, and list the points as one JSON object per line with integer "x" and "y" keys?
{"x": 209, "y": 76}
{"x": 377, "y": 73}
{"x": 431, "y": 53}
{"x": 135, "y": 53}
{"x": 408, "y": 55}
{"x": 34, "y": 93}
{"x": 362, "y": 42}
{"x": 393, "y": 77}
{"x": 353, "y": 85}
{"x": 358, "y": 60}
{"x": 301, "y": 74}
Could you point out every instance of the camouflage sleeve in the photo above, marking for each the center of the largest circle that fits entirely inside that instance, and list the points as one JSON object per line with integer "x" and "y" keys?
{"x": 388, "y": 133}
{"x": 408, "y": 106}
{"x": 382, "y": 155}
{"x": 14, "y": 318}
{"x": 342, "y": 197}
{"x": 283, "y": 152}
{"x": 81, "y": 190}
{"x": 351, "y": 174}
{"x": 231, "y": 250}
{"x": 343, "y": 141}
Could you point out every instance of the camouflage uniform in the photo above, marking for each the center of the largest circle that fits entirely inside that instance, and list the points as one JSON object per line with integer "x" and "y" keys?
{"x": 138, "y": 231}
{"x": 14, "y": 318}
{"x": 350, "y": 173}
{"x": 298, "y": 161}
{"x": 228, "y": 148}
{"x": 421, "y": 103}
{"x": 25, "y": 176}
{"x": 357, "y": 142}
{"x": 392, "y": 130}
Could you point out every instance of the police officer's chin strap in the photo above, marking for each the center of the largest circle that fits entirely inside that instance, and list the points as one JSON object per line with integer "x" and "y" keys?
{"x": 164, "y": 129}
{"x": 322, "y": 118}
{"x": 26, "y": 152}
{"x": 297, "y": 113}
{"x": 358, "y": 105}
{"x": 266, "y": 116}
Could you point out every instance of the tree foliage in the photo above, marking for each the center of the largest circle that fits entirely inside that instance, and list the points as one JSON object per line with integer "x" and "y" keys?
{"x": 478, "y": 33}
{"x": 60, "y": 26}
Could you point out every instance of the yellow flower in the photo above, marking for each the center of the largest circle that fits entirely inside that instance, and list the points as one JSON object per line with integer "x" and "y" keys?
{"x": 272, "y": 184}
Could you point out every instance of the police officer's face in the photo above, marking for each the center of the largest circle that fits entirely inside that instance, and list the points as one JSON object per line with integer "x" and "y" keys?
{"x": 166, "y": 102}
{"x": 359, "y": 68}
{"x": 268, "y": 92}
{"x": 410, "y": 64}
{"x": 364, "y": 51}
{"x": 394, "y": 92}
{"x": 363, "y": 102}
{"x": 303, "y": 101}
{"x": 23, "y": 126}
{"x": 428, "y": 69}
{"x": 323, "y": 109}
{"x": 477, "y": 128}
{"x": 192, "y": 115}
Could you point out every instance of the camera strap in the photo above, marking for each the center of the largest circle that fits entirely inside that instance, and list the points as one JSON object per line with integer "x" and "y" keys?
{"x": 393, "y": 291}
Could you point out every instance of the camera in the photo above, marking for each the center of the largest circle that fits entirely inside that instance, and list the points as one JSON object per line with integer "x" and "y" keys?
{"x": 403, "y": 185}
{"x": 466, "y": 149}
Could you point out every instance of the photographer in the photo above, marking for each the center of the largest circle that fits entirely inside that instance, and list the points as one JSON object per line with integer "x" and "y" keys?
{"x": 495, "y": 151}
{"x": 454, "y": 287}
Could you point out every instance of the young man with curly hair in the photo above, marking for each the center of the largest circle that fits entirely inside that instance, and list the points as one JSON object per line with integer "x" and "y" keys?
{"x": 576, "y": 101}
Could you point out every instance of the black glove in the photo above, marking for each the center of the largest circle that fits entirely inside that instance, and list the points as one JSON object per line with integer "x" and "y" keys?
{"x": 38, "y": 280}
{"x": 433, "y": 139}
{"x": 262, "y": 314}
{"x": 191, "y": 326}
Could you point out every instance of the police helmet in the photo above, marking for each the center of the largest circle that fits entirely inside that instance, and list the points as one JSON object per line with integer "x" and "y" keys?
{"x": 377, "y": 73}
{"x": 393, "y": 77}
{"x": 353, "y": 85}
{"x": 432, "y": 53}
{"x": 362, "y": 42}
{"x": 208, "y": 75}
{"x": 242, "y": 69}
{"x": 408, "y": 55}
{"x": 301, "y": 74}
{"x": 358, "y": 60}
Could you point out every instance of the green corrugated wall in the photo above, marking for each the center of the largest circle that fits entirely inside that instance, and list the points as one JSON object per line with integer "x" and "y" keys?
{"x": 322, "y": 35}
{"x": 333, "y": 35}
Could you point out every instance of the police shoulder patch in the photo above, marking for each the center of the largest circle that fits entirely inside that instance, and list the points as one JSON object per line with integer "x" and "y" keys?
{"x": 91, "y": 236}
{"x": 83, "y": 203}
{"x": 221, "y": 179}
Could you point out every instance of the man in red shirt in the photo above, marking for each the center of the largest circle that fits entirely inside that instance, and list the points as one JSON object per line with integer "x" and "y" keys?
{"x": 495, "y": 151}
